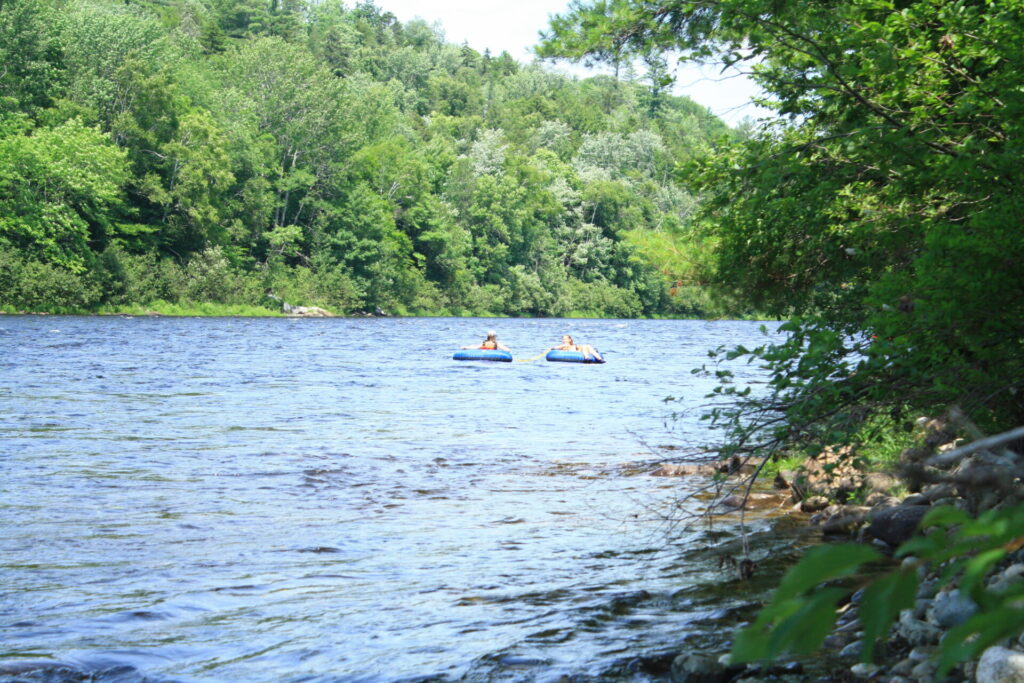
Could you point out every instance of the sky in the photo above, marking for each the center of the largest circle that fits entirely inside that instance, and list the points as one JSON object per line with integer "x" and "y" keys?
{"x": 513, "y": 25}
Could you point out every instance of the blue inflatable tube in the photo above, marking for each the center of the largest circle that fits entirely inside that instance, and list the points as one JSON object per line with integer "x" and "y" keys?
{"x": 570, "y": 357}
{"x": 483, "y": 354}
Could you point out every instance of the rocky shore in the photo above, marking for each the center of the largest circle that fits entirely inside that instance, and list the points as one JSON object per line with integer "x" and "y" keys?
{"x": 833, "y": 494}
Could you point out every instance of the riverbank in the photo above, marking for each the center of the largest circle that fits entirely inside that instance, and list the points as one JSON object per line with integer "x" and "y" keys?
{"x": 884, "y": 512}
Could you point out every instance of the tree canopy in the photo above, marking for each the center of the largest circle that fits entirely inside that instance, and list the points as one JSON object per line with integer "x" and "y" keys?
{"x": 331, "y": 155}
{"x": 880, "y": 211}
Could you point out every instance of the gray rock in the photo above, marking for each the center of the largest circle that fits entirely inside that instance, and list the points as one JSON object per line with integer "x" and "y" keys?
{"x": 917, "y": 499}
{"x": 863, "y": 670}
{"x": 1000, "y": 665}
{"x": 937, "y": 492}
{"x": 903, "y": 667}
{"x": 677, "y": 470}
{"x": 880, "y": 482}
{"x": 853, "y": 650}
{"x": 896, "y": 525}
{"x": 951, "y": 608}
{"x": 920, "y": 654}
{"x": 924, "y": 671}
{"x": 881, "y": 500}
{"x": 814, "y": 504}
{"x": 846, "y": 522}
{"x": 1000, "y": 583}
{"x": 698, "y": 667}
{"x": 916, "y": 631}
{"x": 921, "y": 607}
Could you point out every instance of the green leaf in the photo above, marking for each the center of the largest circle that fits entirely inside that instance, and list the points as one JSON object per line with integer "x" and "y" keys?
{"x": 882, "y": 601}
{"x": 822, "y": 564}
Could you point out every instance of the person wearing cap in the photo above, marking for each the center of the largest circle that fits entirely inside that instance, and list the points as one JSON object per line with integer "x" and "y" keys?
{"x": 490, "y": 343}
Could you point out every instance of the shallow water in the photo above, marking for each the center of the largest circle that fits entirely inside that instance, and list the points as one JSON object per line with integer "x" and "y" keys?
{"x": 337, "y": 500}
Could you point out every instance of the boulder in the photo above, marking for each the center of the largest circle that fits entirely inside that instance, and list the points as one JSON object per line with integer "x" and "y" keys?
{"x": 1000, "y": 665}
{"x": 308, "y": 312}
{"x": 896, "y": 524}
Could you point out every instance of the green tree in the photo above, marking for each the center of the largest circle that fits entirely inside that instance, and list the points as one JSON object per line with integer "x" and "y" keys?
{"x": 31, "y": 53}
{"x": 60, "y": 192}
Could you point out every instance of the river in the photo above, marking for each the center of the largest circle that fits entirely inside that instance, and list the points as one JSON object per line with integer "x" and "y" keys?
{"x": 232, "y": 499}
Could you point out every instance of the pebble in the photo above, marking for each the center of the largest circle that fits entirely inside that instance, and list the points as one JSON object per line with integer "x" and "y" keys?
{"x": 853, "y": 650}
{"x": 924, "y": 671}
{"x": 903, "y": 667}
{"x": 863, "y": 670}
{"x": 1007, "y": 578}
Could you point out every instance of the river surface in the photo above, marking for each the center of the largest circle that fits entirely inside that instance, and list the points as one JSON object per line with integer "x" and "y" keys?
{"x": 189, "y": 499}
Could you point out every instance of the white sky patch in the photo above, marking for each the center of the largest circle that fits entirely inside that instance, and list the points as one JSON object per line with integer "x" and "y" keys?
{"x": 513, "y": 27}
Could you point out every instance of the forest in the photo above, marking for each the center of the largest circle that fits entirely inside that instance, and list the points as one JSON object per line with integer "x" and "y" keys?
{"x": 243, "y": 152}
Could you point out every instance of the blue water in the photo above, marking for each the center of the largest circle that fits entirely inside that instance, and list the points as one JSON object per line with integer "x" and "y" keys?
{"x": 337, "y": 500}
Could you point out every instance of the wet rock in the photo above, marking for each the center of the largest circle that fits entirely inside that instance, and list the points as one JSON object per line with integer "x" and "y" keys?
{"x": 699, "y": 667}
{"x": 897, "y": 524}
{"x": 656, "y": 664}
{"x": 1000, "y": 665}
{"x": 951, "y": 608}
{"x": 917, "y": 499}
{"x": 677, "y": 470}
{"x": 753, "y": 501}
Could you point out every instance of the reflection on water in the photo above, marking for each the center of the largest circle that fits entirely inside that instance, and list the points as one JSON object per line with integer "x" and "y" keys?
{"x": 337, "y": 500}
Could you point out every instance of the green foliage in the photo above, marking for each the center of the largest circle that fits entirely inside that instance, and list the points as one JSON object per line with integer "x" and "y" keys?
{"x": 187, "y": 151}
{"x": 802, "y": 610}
{"x": 32, "y": 54}
{"x": 28, "y": 285}
{"x": 60, "y": 191}
{"x": 879, "y": 213}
